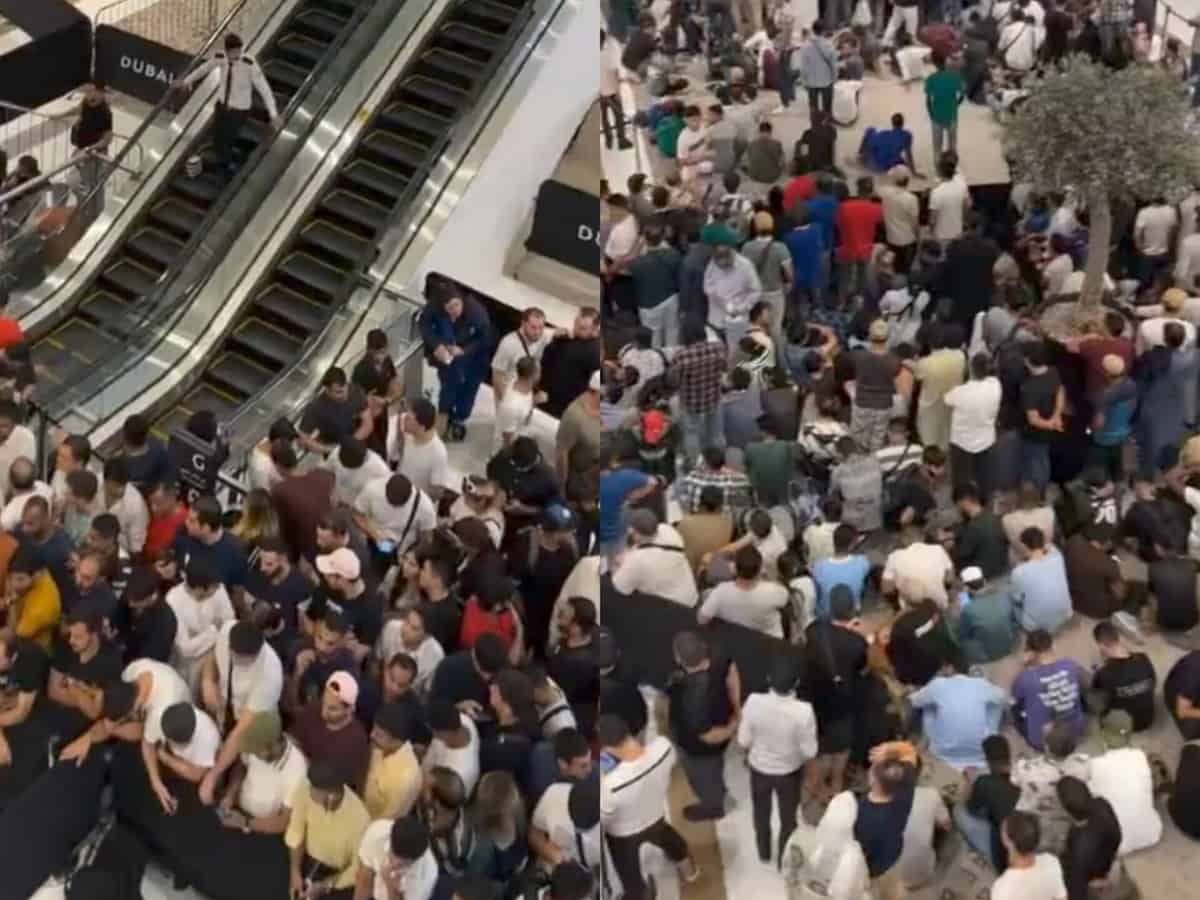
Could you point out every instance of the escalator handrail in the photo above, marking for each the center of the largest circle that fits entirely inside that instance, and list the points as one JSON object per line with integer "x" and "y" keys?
{"x": 240, "y": 443}
{"x": 167, "y": 300}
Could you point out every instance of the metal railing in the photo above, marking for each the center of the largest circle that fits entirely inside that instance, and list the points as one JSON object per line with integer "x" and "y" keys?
{"x": 280, "y": 397}
{"x": 156, "y": 313}
{"x": 47, "y": 138}
{"x": 24, "y": 262}
{"x": 180, "y": 24}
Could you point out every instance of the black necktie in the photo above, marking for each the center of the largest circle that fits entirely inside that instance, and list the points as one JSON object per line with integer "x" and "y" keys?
{"x": 228, "y": 79}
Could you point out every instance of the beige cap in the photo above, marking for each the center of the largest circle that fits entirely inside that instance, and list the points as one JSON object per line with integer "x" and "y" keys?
{"x": 1173, "y": 299}
{"x": 1113, "y": 365}
{"x": 899, "y": 173}
{"x": 878, "y": 331}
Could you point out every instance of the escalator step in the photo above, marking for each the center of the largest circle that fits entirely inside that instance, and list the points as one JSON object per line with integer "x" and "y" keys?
{"x": 408, "y": 119}
{"x": 363, "y": 213}
{"x": 320, "y": 23}
{"x": 130, "y": 279}
{"x": 451, "y": 67}
{"x": 398, "y": 153}
{"x": 264, "y": 340}
{"x": 339, "y": 7}
{"x": 254, "y": 130}
{"x": 173, "y": 215}
{"x": 203, "y": 190}
{"x": 153, "y": 246}
{"x": 337, "y": 242}
{"x": 471, "y": 38}
{"x": 288, "y": 306}
{"x": 368, "y": 176}
{"x": 204, "y": 398}
{"x": 103, "y": 308}
{"x": 492, "y": 16}
{"x": 302, "y": 50}
{"x": 238, "y": 374}
{"x": 425, "y": 90}
{"x": 83, "y": 342}
{"x": 281, "y": 73}
{"x": 309, "y": 271}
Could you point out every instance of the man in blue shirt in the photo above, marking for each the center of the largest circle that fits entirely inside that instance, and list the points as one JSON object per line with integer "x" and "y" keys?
{"x": 620, "y": 484}
{"x": 808, "y": 251}
{"x": 1041, "y": 582}
{"x": 822, "y": 211}
{"x": 960, "y": 711}
{"x": 883, "y": 148}
{"x": 842, "y": 568}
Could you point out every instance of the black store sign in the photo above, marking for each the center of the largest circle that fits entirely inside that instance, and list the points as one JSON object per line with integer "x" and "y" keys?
{"x": 135, "y": 66}
{"x": 566, "y": 227}
{"x": 196, "y": 464}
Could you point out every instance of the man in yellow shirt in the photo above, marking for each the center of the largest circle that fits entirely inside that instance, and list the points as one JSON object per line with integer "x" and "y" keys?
{"x": 394, "y": 773}
{"x": 324, "y": 833}
{"x": 31, "y": 597}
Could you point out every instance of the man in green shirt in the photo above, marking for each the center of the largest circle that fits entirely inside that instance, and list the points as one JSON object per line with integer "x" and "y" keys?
{"x": 944, "y": 91}
{"x": 770, "y": 464}
{"x": 667, "y": 133}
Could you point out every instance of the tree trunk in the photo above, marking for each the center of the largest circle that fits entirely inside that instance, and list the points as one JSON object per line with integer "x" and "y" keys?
{"x": 1099, "y": 238}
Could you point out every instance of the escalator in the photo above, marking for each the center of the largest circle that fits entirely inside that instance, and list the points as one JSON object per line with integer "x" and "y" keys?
{"x": 98, "y": 327}
{"x": 314, "y": 275}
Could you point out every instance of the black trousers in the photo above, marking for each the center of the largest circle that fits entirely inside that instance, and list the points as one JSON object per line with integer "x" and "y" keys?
{"x": 610, "y": 109}
{"x": 820, "y": 98}
{"x": 626, "y": 852}
{"x": 227, "y": 123}
{"x": 764, "y": 788}
{"x": 970, "y": 467}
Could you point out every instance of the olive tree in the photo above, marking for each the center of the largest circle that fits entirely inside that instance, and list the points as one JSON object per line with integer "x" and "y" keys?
{"x": 1109, "y": 136}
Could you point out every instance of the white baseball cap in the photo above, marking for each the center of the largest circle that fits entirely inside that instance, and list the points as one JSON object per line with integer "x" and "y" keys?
{"x": 971, "y": 574}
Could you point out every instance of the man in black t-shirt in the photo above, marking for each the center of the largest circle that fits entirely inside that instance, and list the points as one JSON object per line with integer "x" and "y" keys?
{"x": 992, "y": 797}
{"x": 277, "y": 582}
{"x": 375, "y": 369}
{"x": 835, "y": 659}
{"x": 334, "y": 413}
{"x": 146, "y": 623}
{"x": 1171, "y": 580}
{"x": 24, "y": 669}
{"x": 1125, "y": 680}
{"x": 1181, "y": 695}
{"x": 573, "y": 666}
{"x": 84, "y": 664}
{"x": 703, "y": 696}
{"x": 441, "y": 608}
{"x": 1042, "y": 401}
{"x": 568, "y": 363}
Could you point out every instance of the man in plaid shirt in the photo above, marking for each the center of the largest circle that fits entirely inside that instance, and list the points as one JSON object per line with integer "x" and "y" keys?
{"x": 736, "y": 494}
{"x": 697, "y": 369}
{"x": 1113, "y": 18}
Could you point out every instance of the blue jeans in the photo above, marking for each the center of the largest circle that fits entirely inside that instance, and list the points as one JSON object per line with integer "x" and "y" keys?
{"x": 1035, "y": 462}
{"x": 460, "y": 383}
{"x": 787, "y": 79}
{"x": 700, "y": 430}
{"x": 976, "y": 832}
{"x": 945, "y": 137}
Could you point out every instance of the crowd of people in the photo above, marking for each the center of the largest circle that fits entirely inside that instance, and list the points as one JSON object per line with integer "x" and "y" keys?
{"x": 910, "y": 514}
{"x": 370, "y": 676}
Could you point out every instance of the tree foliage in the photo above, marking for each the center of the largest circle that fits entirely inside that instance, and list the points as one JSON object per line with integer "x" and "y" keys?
{"x": 1118, "y": 135}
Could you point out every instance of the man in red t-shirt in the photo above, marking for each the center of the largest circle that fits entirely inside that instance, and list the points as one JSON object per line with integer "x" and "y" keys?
{"x": 802, "y": 187}
{"x": 167, "y": 515}
{"x": 1094, "y": 347}
{"x": 857, "y": 221}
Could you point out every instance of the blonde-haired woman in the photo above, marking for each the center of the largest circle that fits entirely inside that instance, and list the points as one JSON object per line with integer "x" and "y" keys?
{"x": 499, "y": 816}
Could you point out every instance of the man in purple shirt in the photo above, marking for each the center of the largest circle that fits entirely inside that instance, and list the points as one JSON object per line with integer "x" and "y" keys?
{"x": 1049, "y": 689}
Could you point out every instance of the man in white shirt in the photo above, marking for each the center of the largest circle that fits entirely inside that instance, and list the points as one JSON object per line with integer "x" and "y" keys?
{"x": 354, "y": 465}
{"x": 1055, "y": 272}
{"x": 394, "y": 514}
{"x": 530, "y": 338}
{"x": 692, "y": 147}
{"x": 1019, "y": 43}
{"x": 16, "y": 441}
{"x": 566, "y": 828}
{"x": 779, "y": 733}
{"x": 901, "y": 214}
{"x": 747, "y": 600}
{"x": 237, "y": 78}
{"x": 656, "y": 564}
{"x": 1122, "y": 776}
{"x": 188, "y": 750}
{"x": 948, "y": 202}
{"x": 974, "y": 407}
{"x": 1030, "y": 875}
{"x": 125, "y": 501}
{"x": 423, "y": 459}
{"x": 455, "y": 743}
{"x": 633, "y": 800}
{"x": 624, "y": 242}
{"x": 1150, "y": 332}
{"x": 409, "y": 635}
{"x": 918, "y": 570}
{"x": 241, "y": 678}
{"x": 1154, "y": 232}
{"x": 395, "y": 860}
{"x": 23, "y": 483}
{"x": 201, "y": 606}
{"x": 258, "y": 794}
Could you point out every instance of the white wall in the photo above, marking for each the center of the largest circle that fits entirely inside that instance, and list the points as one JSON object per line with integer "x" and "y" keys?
{"x": 476, "y": 237}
